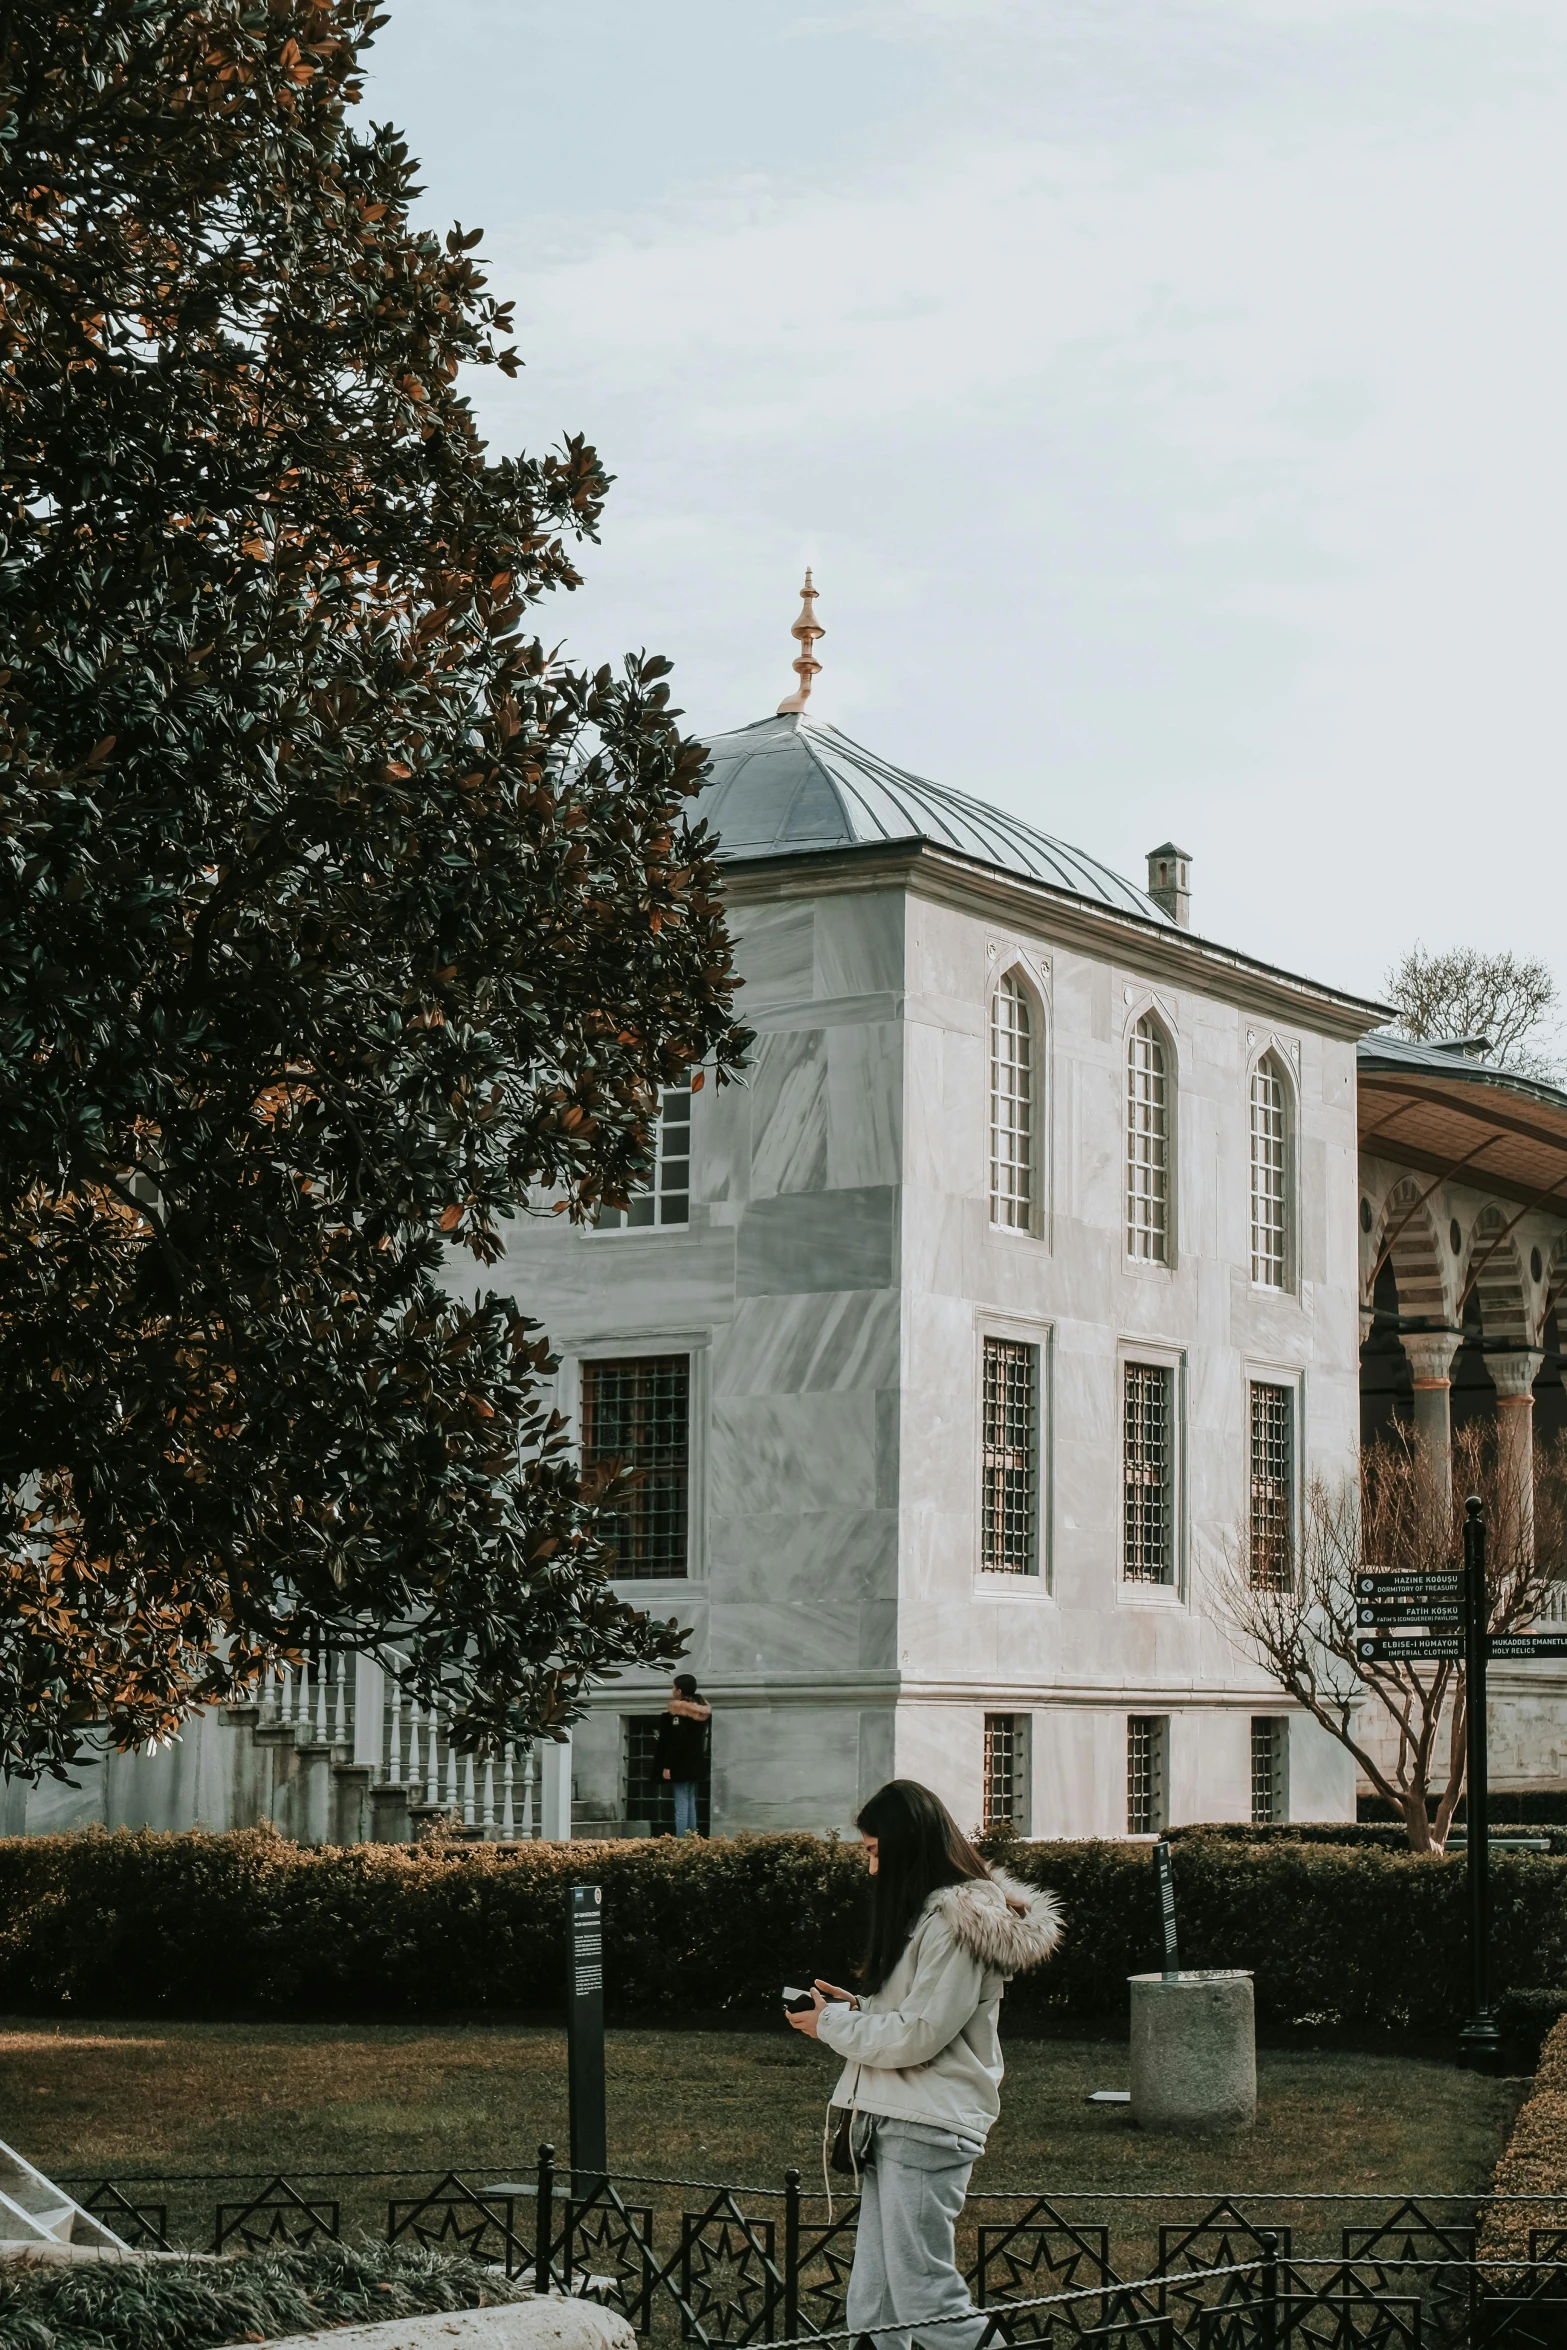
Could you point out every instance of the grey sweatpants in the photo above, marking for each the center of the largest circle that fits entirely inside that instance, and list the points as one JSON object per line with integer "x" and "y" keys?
{"x": 905, "y": 2270}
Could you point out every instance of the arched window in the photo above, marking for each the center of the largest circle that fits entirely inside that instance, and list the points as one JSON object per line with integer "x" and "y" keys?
{"x": 1147, "y": 1145}
{"x": 1011, "y": 1106}
{"x": 1270, "y": 1202}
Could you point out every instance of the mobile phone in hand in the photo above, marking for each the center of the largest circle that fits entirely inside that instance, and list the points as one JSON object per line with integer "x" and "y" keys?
{"x": 795, "y": 2000}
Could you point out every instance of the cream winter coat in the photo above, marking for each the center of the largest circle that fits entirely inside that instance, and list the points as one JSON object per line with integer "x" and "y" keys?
{"x": 925, "y": 2047}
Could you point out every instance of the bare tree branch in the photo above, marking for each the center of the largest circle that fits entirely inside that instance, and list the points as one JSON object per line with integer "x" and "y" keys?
{"x": 1303, "y": 1627}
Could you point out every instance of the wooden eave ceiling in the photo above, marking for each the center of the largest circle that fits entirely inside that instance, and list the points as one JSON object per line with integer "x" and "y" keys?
{"x": 1481, "y": 1135}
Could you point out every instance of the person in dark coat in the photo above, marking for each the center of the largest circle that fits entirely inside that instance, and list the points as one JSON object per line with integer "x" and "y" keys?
{"x": 681, "y": 1757}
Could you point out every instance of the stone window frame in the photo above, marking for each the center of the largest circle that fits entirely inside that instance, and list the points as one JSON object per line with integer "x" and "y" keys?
{"x": 1008, "y": 958}
{"x": 1148, "y": 1751}
{"x": 613, "y": 1346}
{"x": 1027, "y": 1330}
{"x": 1141, "y": 1006}
{"x": 1284, "y": 1054}
{"x": 1015, "y": 1733}
{"x": 1261, "y": 1371}
{"x": 1129, "y": 1591}
{"x": 1273, "y": 1748}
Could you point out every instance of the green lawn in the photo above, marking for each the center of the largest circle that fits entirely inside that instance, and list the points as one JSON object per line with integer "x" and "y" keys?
{"x": 702, "y": 2105}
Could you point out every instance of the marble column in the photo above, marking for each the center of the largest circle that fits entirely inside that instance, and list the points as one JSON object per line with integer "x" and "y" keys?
{"x": 1513, "y": 1375}
{"x": 1431, "y": 1355}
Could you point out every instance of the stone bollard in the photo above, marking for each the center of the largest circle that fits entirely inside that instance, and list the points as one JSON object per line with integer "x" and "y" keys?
{"x": 1194, "y": 2051}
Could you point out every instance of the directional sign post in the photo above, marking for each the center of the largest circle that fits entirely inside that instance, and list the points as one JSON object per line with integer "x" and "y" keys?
{"x": 1479, "y": 2043}
{"x": 1440, "y": 1618}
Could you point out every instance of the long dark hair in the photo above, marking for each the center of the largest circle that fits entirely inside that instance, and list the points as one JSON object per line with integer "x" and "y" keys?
{"x": 919, "y": 1846}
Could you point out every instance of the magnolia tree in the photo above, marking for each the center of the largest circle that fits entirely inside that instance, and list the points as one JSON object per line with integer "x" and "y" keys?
{"x": 337, "y": 919}
{"x": 1403, "y": 1723}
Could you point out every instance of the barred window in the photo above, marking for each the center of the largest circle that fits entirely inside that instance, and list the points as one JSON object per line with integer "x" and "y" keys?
{"x": 1011, "y": 1106}
{"x": 1147, "y": 1465}
{"x": 1147, "y": 1146}
{"x": 1269, "y": 1175}
{"x": 1272, "y": 1486}
{"x": 636, "y": 1412}
{"x": 667, "y": 1199}
{"x": 1006, "y": 1770}
{"x": 1267, "y": 1770}
{"x": 1009, "y": 1511}
{"x": 1146, "y": 1736}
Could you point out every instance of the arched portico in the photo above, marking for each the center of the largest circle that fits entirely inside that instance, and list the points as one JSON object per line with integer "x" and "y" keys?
{"x": 1463, "y": 1251}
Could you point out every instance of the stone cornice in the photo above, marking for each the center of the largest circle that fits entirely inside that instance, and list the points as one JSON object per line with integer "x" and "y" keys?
{"x": 1154, "y": 951}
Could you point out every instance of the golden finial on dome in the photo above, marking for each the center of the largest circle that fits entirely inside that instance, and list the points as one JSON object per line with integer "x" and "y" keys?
{"x": 807, "y": 668}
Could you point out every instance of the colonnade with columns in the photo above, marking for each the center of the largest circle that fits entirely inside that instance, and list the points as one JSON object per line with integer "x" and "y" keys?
{"x": 1445, "y": 1264}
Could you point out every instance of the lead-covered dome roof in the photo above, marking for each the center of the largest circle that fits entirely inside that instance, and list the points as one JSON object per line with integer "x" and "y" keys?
{"x": 790, "y": 786}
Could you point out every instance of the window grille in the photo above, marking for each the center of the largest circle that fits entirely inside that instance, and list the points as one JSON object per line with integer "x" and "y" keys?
{"x": 637, "y": 1412}
{"x": 1011, "y": 1107}
{"x": 1006, "y": 1770}
{"x": 1009, "y": 1514}
{"x": 1267, "y": 1774}
{"x": 1147, "y": 1460}
{"x": 667, "y": 1199}
{"x": 1272, "y": 1486}
{"x": 1147, "y": 1146}
{"x": 1145, "y": 1774}
{"x": 1269, "y": 1177}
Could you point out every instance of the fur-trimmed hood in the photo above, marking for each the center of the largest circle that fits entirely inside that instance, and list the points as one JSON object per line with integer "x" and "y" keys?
{"x": 1004, "y": 1924}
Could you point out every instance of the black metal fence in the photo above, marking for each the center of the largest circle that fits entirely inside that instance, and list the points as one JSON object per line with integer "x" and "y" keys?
{"x": 697, "y": 2261}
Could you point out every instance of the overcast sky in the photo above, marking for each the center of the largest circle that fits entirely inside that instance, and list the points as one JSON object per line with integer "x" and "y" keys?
{"x": 1169, "y": 395}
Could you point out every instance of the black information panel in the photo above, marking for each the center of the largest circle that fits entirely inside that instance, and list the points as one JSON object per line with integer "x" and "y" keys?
{"x": 585, "y": 2038}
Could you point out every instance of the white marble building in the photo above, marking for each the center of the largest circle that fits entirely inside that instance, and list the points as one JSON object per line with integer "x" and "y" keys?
{"x": 959, "y": 1342}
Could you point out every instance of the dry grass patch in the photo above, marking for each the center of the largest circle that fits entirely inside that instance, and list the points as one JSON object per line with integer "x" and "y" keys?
{"x": 713, "y": 2105}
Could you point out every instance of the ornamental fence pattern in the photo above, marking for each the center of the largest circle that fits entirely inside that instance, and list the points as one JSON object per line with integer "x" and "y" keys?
{"x": 695, "y": 2261}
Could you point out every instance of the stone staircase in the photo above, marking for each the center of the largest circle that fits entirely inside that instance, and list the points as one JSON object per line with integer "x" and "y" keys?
{"x": 329, "y": 1754}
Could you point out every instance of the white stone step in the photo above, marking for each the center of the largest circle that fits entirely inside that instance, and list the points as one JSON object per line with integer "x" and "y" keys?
{"x": 34, "y": 2210}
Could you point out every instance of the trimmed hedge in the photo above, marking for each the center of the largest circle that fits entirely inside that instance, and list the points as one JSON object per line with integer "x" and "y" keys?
{"x": 1534, "y": 2160}
{"x": 1519, "y": 1807}
{"x": 249, "y": 1924}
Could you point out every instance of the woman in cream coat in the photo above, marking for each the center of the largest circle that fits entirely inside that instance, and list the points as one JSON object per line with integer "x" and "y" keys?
{"x": 921, "y": 2082}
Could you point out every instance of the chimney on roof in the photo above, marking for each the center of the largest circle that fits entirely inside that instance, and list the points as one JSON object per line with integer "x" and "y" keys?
{"x": 1170, "y": 882}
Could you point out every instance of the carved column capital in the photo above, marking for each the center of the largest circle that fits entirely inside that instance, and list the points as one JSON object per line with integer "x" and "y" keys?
{"x": 1513, "y": 1375}
{"x": 1431, "y": 1354}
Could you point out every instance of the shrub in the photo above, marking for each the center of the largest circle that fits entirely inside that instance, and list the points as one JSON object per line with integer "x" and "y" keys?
{"x": 199, "y": 1925}
{"x": 1534, "y": 2160}
{"x": 1525, "y": 2019}
{"x": 196, "y": 2304}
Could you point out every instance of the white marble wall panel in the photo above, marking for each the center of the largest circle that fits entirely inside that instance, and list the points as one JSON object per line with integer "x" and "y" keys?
{"x": 789, "y": 1112}
{"x": 778, "y": 1767}
{"x": 1079, "y": 1771}
{"x": 864, "y": 1112}
{"x": 859, "y": 943}
{"x": 1321, "y": 1773}
{"x": 818, "y": 1240}
{"x": 792, "y": 1345}
{"x": 776, "y": 953}
{"x": 800, "y": 1453}
{"x": 943, "y": 1746}
{"x": 1212, "y": 1750}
